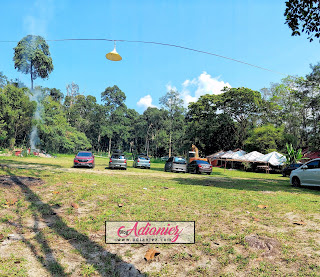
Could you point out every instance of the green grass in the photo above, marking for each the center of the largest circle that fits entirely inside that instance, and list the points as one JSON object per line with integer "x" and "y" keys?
{"x": 13, "y": 266}
{"x": 224, "y": 206}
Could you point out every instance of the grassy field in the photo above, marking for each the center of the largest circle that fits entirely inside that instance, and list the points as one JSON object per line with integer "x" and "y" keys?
{"x": 55, "y": 221}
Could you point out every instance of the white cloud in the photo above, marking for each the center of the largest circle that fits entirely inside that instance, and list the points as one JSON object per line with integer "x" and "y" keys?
{"x": 204, "y": 84}
{"x": 145, "y": 102}
{"x": 169, "y": 87}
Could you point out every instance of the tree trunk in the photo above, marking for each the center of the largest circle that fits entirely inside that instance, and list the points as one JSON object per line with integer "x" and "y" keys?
{"x": 146, "y": 148}
{"x": 31, "y": 76}
{"x": 99, "y": 138}
{"x": 109, "y": 152}
{"x": 170, "y": 145}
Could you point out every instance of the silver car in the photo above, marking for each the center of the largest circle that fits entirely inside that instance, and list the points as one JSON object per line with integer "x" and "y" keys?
{"x": 176, "y": 164}
{"x": 307, "y": 174}
{"x": 118, "y": 160}
{"x": 142, "y": 161}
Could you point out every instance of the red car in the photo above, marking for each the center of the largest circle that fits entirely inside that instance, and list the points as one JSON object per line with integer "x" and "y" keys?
{"x": 84, "y": 158}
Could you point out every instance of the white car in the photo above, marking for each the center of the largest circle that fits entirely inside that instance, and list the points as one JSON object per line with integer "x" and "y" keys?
{"x": 307, "y": 174}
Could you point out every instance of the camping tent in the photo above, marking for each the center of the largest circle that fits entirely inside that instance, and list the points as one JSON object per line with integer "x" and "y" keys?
{"x": 273, "y": 158}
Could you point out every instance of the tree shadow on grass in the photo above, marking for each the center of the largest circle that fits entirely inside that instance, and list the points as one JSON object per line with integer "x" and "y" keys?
{"x": 248, "y": 185}
{"x": 104, "y": 262}
{"x": 25, "y": 164}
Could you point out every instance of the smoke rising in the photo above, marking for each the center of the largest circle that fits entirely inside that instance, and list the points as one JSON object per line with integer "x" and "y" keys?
{"x": 36, "y": 95}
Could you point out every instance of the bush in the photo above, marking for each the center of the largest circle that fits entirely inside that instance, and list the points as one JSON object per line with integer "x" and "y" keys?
{"x": 157, "y": 160}
{"x": 247, "y": 166}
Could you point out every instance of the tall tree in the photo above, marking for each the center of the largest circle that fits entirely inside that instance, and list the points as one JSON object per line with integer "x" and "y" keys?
{"x": 243, "y": 105}
{"x": 172, "y": 102}
{"x": 152, "y": 131}
{"x": 209, "y": 129}
{"x": 113, "y": 99}
{"x": 56, "y": 134}
{"x": 32, "y": 56}
{"x": 15, "y": 115}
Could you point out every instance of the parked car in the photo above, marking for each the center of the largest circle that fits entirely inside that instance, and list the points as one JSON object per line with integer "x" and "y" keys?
{"x": 84, "y": 158}
{"x": 307, "y": 174}
{"x": 118, "y": 160}
{"x": 165, "y": 158}
{"x": 176, "y": 164}
{"x": 142, "y": 161}
{"x": 199, "y": 166}
{"x": 288, "y": 169}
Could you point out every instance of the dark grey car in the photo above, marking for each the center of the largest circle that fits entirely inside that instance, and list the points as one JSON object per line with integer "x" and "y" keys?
{"x": 118, "y": 160}
{"x": 176, "y": 164}
{"x": 198, "y": 166}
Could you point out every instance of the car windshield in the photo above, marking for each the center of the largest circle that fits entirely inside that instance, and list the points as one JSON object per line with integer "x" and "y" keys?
{"x": 179, "y": 160}
{"x": 202, "y": 162}
{"x": 117, "y": 157}
{"x": 84, "y": 154}
{"x": 313, "y": 164}
{"x": 143, "y": 158}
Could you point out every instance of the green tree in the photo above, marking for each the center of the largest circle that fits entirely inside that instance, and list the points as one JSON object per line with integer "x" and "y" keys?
{"x": 55, "y": 94}
{"x": 172, "y": 102}
{"x": 56, "y": 134}
{"x": 243, "y": 105}
{"x": 113, "y": 99}
{"x": 265, "y": 139}
{"x": 16, "y": 112}
{"x": 152, "y": 132}
{"x": 303, "y": 16}
{"x": 209, "y": 129}
{"x": 32, "y": 56}
{"x": 3, "y": 80}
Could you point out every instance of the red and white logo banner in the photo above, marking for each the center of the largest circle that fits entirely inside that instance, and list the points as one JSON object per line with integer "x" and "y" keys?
{"x": 177, "y": 232}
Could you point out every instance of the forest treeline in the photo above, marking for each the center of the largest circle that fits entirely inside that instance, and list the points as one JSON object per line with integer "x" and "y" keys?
{"x": 286, "y": 112}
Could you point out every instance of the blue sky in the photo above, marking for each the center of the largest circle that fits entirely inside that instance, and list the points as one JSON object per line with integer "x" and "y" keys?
{"x": 251, "y": 31}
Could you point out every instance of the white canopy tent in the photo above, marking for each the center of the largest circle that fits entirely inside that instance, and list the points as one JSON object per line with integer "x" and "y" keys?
{"x": 216, "y": 155}
{"x": 251, "y": 157}
{"x": 237, "y": 155}
{"x": 227, "y": 155}
{"x": 273, "y": 158}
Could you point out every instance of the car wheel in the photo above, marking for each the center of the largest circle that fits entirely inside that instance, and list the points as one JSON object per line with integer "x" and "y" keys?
{"x": 296, "y": 182}
{"x": 208, "y": 173}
